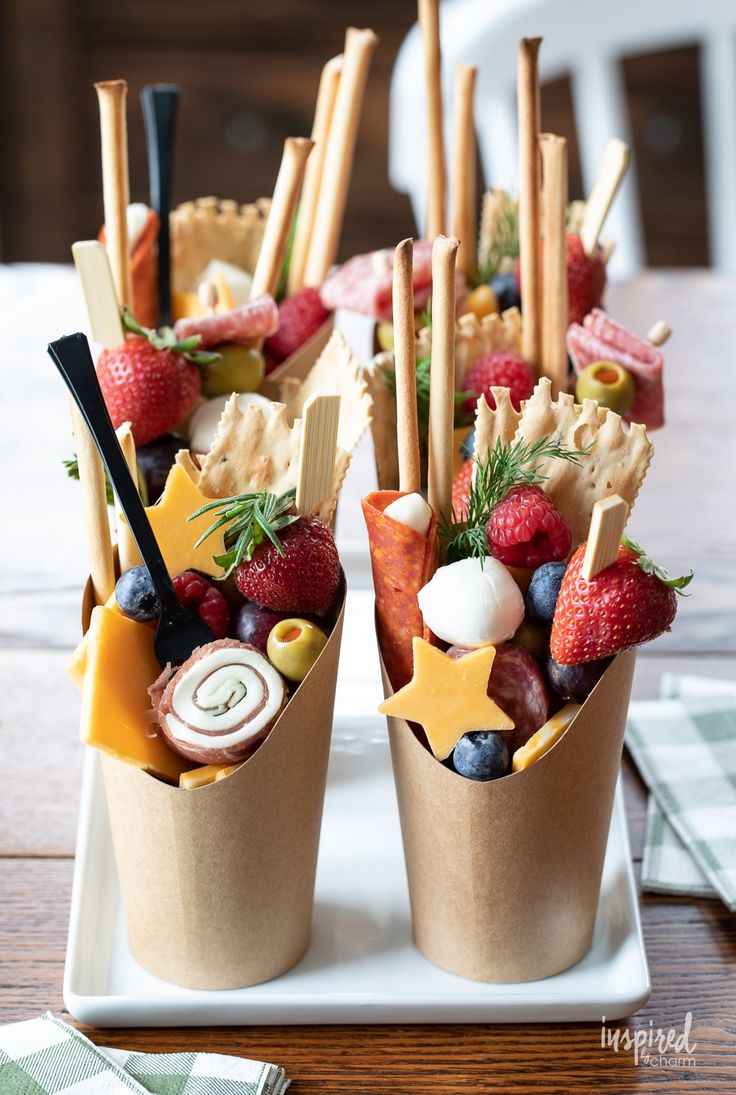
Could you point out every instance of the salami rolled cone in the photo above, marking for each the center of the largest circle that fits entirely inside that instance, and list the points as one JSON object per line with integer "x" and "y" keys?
{"x": 529, "y": 187}
{"x": 616, "y": 160}
{"x": 407, "y": 426}
{"x": 97, "y": 524}
{"x": 442, "y": 376}
{"x": 464, "y": 198}
{"x": 324, "y": 109}
{"x": 429, "y": 24}
{"x": 128, "y": 553}
{"x": 112, "y": 96}
{"x": 339, "y": 153}
{"x": 607, "y": 525}
{"x": 554, "y": 261}
{"x": 281, "y": 214}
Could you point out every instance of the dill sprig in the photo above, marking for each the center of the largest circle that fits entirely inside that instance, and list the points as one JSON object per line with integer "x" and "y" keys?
{"x": 506, "y": 465}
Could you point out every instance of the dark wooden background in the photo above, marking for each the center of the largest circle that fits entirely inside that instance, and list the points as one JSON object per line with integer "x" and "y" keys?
{"x": 249, "y": 73}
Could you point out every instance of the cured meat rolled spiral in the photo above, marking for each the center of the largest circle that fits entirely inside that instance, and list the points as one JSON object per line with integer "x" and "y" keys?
{"x": 221, "y": 703}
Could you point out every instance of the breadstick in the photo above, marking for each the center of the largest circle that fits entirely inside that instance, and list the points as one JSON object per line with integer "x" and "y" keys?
{"x": 323, "y": 112}
{"x": 554, "y": 261}
{"x": 607, "y": 524}
{"x": 615, "y": 165}
{"x": 112, "y": 95}
{"x": 429, "y": 24}
{"x": 407, "y": 426}
{"x": 442, "y": 376}
{"x": 464, "y": 198}
{"x": 339, "y": 153}
{"x": 281, "y": 214}
{"x": 529, "y": 180}
{"x": 94, "y": 501}
{"x": 128, "y": 553}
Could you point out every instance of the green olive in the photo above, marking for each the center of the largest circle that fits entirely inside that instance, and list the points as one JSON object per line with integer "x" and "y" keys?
{"x": 609, "y": 383}
{"x": 293, "y": 647}
{"x": 533, "y": 637}
{"x": 385, "y": 334}
{"x": 238, "y": 369}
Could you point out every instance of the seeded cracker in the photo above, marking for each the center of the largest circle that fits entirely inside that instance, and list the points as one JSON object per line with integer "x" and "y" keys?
{"x": 490, "y": 425}
{"x": 476, "y": 338}
{"x": 210, "y": 228}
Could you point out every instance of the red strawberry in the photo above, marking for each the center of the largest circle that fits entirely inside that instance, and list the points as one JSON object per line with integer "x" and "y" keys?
{"x": 628, "y": 603}
{"x": 304, "y": 579}
{"x": 461, "y": 489}
{"x": 299, "y": 317}
{"x": 198, "y": 595}
{"x": 150, "y": 388}
{"x": 586, "y": 278}
{"x": 501, "y": 369}
{"x": 526, "y": 529}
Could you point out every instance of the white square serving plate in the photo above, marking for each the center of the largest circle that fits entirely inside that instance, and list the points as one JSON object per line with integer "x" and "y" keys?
{"x": 362, "y": 966}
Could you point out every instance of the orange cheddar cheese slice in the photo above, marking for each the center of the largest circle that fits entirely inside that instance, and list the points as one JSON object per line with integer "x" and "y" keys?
{"x": 116, "y": 706}
{"x": 545, "y": 737}
{"x": 176, "y": 535}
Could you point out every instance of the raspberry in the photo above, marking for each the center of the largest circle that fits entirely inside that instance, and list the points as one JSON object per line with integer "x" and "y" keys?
{"x": 198, "y": 595}
{"x": 501, "y": 369}
{"x": 526, "y": 529}
{"x": 461, "y": 489}
{"x": 300, "y": 316}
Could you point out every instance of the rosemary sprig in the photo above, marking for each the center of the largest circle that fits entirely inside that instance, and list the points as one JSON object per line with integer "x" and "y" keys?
{"x": 72, "y": 470}
{"x": 424, "y": 364}
{"x": 165, "y": 339}
{"x": 251, "y": 519}
{"x": 648, "y": 565}
{"x": 506, "y": 465}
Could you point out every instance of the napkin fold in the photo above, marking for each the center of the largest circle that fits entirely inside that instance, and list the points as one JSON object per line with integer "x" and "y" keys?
{"x": 46, "y": 1056}
{"x": 684, "y": 746}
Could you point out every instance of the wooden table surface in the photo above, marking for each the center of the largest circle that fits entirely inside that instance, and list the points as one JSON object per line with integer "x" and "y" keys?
{"x": 684, "y": 516}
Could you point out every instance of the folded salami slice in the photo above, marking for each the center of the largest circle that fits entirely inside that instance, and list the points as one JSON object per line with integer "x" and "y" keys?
{"x": 257, "y": 318}
{"x": 402, "y": 561}
{"x": 602, "y": 339}
{"x": 144, "y": 271}
{"x": 363, "y": 283}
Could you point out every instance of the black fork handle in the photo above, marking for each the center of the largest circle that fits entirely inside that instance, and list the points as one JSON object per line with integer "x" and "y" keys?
{"x": 160, "y": 104}
{"x": 74, "y": 361}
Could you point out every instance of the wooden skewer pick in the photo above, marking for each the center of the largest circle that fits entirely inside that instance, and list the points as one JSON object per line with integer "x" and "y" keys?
{"x": 659, "y": 333}
{"x": 615, "y": 165}
{"x": 442, "y": 376}
{"x": 112, "y": 95}
{"x": 128, "y": 552}
{"x": 407, "y": 426}
{"x": 317, "y": 448}
{"x": 554, "y": 261}
{"x": 464, "y": 198}
{"x": 208, "y": 297}
{"x": 607, "y": 524}
{"x": 95, "y": 275}
{"x": 529, "y": 180}
{"x": 326, "y": 95}
{"x": 281, "y": 214}
{"x": 429, "y": 24}
{"x": 339, "y": 153}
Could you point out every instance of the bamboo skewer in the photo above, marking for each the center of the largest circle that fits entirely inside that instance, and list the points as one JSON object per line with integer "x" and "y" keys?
{"x": 407, "y": 426}
{"x": 339, "y": 153}
{"x": 554, "y": 261}
{"x": 615, "y": 164}
{"x": 94, "y": 501}
{"x": 442, "y": 376}
{"x": 209, "y": 297}
{"x": 112, "y": 96}
{"x": 317, "y": 449}
{"x": 323, "y": 112}
{"x": 607, "y": 524}
{"x": 128, "y": 553}
{"x": 429, "y": 24}
{"x": 283, "y": 205}
{"x": 659, "y": 332}
{"x": 464, "y": 196}
{"x": 95, "y": 275}
{"x": 529, "y": 178}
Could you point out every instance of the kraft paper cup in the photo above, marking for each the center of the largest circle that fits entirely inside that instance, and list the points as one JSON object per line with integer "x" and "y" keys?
{"x": 504, "y": 877}
{"x": 217, "y": 882}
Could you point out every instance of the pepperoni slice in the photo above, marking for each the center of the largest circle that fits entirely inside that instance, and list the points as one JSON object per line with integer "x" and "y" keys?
{"x": 144, "y": 271}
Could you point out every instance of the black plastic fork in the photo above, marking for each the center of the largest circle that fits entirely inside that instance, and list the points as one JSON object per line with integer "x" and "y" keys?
{"x": 179, "y": 630}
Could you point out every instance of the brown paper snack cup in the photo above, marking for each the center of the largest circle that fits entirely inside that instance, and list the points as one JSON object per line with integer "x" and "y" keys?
{"x": 504, "y": 877}
{"x": 218, "y": 882}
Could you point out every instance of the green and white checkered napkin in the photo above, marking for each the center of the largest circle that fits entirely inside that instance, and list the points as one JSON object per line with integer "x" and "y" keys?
{"x": 685, "y": 748}
{"x": 48, "y": 1057}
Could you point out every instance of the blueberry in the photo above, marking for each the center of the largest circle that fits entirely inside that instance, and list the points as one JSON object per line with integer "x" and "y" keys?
{"x": 136, "y": 596}
{"x": 543, "y": 591}
{"x": 468, "y": 446}
{"x": 155, "y": 460}
{"x": 481, "y": 755}
{"x": 574, "y": 683}
{"x": 505, "y": 288}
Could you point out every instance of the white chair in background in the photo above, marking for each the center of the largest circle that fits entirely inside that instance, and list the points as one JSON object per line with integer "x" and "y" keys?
{"x": 586, "y": 39}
